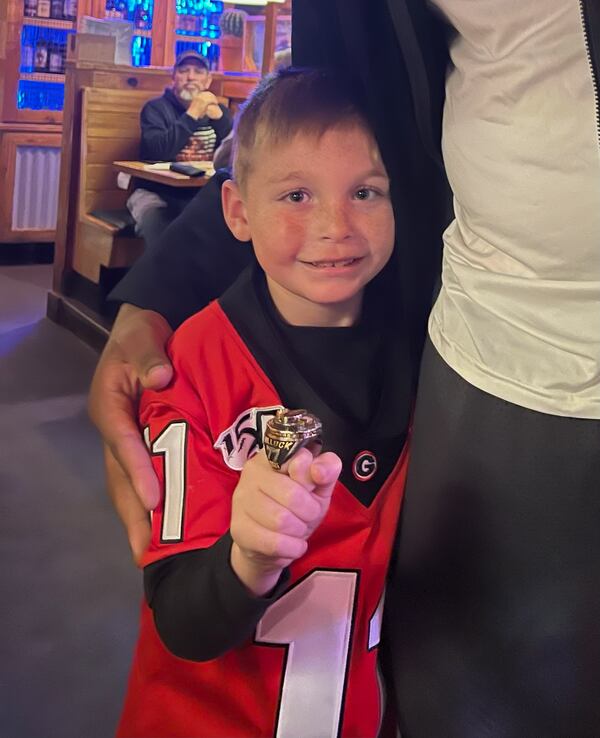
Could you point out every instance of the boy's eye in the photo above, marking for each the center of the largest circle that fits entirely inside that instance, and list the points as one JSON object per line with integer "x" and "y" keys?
{"x": 296, "y": 196}
{"x": 364, "y": 193}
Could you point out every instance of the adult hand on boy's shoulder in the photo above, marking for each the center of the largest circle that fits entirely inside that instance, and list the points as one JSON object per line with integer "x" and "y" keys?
{"x": 274, "y": 514}
{"x": 134, "y": 358}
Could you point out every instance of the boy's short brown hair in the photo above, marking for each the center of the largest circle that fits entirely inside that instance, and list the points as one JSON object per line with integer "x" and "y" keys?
{"x": 292, "y": 100}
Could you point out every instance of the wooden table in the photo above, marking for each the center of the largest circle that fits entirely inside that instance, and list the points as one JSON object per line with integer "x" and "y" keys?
{"x": 164, "y": 176}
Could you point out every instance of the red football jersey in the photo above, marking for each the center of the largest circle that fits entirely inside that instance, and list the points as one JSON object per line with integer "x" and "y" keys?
{"x": 311, "y": 669}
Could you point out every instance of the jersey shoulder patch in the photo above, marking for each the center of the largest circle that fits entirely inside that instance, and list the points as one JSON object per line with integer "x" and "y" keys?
{"x": 244, "y": 437}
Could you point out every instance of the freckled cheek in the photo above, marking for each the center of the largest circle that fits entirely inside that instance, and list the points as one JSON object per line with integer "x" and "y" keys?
{"x": 279, "y": 238}
{"x": 291, "y": 233}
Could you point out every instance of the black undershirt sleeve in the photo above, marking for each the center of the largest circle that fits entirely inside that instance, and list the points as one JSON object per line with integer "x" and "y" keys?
{"x": 200, "y": 607}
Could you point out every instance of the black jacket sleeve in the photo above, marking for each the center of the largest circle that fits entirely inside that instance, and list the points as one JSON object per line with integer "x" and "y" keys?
{"x": 195, "y": 260}
{"x": 200, "y": 607}
{"x": 163, "y": 139}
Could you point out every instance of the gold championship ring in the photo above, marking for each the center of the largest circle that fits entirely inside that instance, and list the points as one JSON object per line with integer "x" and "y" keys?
{"x": 288, "y": 432}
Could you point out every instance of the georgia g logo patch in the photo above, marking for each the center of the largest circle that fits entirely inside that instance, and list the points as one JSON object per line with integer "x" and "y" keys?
{"x": 364, "y": 466}
{"x": 244, "y": 437}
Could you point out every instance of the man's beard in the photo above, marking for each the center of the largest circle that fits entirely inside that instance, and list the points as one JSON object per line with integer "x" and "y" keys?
{"x": 187, "y": 95}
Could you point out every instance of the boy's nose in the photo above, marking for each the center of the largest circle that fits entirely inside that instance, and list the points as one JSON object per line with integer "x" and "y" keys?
{"x": 335, "y": 223}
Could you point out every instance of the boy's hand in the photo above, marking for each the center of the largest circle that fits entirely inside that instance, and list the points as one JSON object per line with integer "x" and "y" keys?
{"x": 134, "y": 357}
{"x": 274, "y": 513}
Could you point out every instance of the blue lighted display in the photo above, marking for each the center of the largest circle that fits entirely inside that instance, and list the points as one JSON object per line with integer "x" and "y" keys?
{"x": 43, "y": 51}
{"x": 141, "y": 51}
{"x": 40, "y": 95}
{"x": 198, "y": 18}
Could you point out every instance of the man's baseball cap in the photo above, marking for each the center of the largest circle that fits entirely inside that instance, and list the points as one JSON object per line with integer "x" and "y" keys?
{"x": 191, "y": 56}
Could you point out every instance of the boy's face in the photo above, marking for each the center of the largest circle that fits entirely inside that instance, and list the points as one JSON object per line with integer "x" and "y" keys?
{"x": 320, "y": 218}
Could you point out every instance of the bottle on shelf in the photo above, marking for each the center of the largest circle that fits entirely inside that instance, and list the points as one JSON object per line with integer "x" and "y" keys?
{"x": 140, "y": 20}
{"x": 43, "y": 8}
{"x": 57, "y": 9}
{"x": 70, "y": 9}
{"x": 55, "y": 60}
{"x": 30, "y": 8}
{"x": 40, "y": 59}
{"x": 27, "y": 54}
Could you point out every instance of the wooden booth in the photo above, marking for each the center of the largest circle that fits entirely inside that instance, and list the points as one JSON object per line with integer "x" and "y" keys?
{"x": 101, "y": 131}
{"x": 35, "y": 36}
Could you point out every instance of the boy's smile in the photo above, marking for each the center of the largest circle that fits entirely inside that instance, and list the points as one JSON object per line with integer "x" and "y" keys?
{"x": 318, "y": 212}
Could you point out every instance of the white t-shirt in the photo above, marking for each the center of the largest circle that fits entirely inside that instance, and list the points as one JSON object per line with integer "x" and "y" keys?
{"x": 519, "y": 312}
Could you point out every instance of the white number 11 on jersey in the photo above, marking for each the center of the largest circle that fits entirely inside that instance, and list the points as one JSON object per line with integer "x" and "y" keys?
{"x": 314, "y": 619}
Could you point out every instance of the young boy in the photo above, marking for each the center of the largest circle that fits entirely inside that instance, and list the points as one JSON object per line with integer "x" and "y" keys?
{"x": 264, "y": 589}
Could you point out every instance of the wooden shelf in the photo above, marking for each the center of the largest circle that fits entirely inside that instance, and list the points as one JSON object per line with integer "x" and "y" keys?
{"x": 66, "y": 25}
{"x": 195, "y": 39}
{"x": 142, "y": 32}
{"x": 42, "y": 77}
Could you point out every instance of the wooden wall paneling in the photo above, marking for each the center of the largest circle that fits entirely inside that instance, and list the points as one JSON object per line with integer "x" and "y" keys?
{"x": 132, "y": 81}
{"x": 11, "y": 65}
{"x": 7, "y": 177}
{"x": 69, "y": 178}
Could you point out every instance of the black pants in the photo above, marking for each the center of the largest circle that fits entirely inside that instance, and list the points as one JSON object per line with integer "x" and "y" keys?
{"x": 493, "y": 605}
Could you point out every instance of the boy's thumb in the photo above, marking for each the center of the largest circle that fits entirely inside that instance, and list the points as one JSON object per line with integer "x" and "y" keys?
{"x": 325, "y": 470}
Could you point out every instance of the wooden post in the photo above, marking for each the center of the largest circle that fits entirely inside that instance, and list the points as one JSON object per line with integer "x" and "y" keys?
{"x": 270, "y": 38}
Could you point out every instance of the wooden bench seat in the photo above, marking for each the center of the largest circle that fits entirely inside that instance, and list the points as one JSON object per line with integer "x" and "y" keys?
{"x": 110, "y": 130}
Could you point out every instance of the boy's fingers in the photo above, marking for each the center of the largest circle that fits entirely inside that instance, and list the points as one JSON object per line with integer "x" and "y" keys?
{"x": 257, "y": 542}
{"x": 283, "y": 489}
{"x": 325, "y": 470}
{"x": 272, "y": 516}
{"x": 298, "y": 468}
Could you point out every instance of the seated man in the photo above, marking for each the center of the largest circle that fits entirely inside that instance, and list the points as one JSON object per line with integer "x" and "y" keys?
{"x": 186, "y": 123}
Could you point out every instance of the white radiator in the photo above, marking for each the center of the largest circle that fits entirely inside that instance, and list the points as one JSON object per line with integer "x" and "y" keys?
{"x": 35, "y": 198}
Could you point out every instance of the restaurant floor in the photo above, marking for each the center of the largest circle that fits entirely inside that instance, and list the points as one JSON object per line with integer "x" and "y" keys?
{"x": 70, "y": 593}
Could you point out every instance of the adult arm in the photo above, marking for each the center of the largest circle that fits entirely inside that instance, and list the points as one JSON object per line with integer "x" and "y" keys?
{"x": 133, "y": 358}
{"x": 194, "y": 262}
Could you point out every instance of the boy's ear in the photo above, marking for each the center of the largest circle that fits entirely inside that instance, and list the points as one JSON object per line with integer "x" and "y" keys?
{"x": 234, "y": 210}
